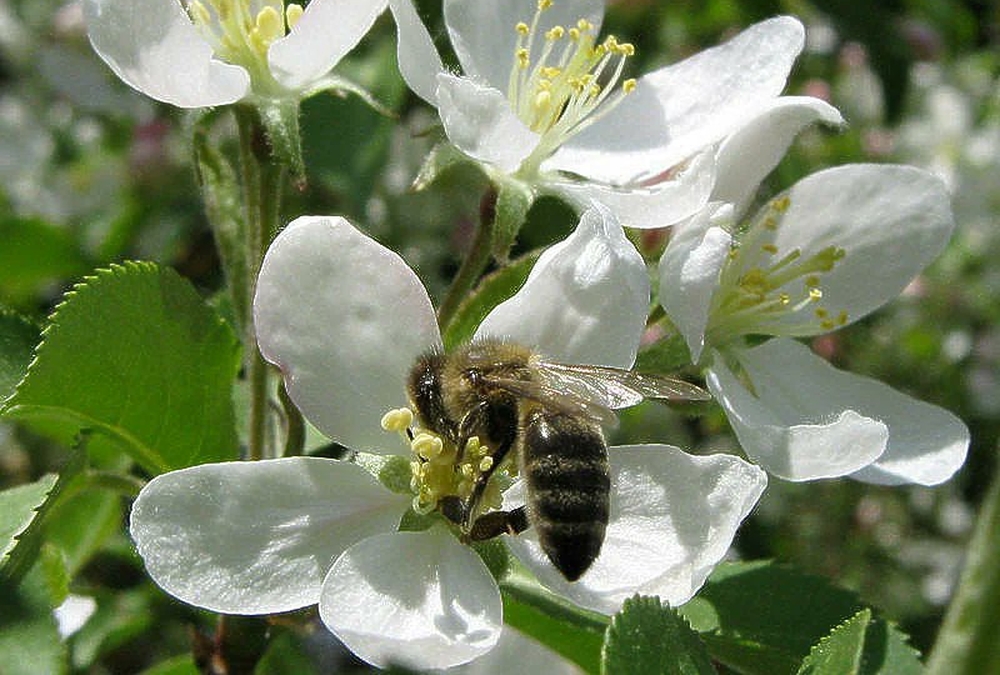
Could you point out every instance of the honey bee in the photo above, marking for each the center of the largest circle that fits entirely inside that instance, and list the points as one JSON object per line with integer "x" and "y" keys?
{"x": 550, "y": 415}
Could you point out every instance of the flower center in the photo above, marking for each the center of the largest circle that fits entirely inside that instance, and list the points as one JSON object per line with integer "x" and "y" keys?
{"x": 241, "y": 31}
{"x": 569, "y": 85}
{"x": 438, "y": 472}
{"x": 762, "y": 285}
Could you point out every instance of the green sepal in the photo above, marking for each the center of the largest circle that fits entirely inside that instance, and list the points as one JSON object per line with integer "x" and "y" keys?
{"x": 647, "y": 636}
{"x": 664, "y": 356}
{"x": 392, "y": 471}
{"x": 514, "y": 199}
{"x": 442, "y": 157}
{"x": 280, "y": 118}
{"x": 220, "y": 189}
{"x": 492, "y": 289}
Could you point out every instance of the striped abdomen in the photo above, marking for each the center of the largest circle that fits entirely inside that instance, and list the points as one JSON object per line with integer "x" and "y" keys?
{"x": 564, "y": 462}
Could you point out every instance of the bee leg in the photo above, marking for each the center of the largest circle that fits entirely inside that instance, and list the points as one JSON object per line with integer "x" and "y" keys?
{"x": 495, "y": 523}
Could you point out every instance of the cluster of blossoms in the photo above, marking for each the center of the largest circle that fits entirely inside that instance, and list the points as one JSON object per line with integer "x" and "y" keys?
{"x": 543, "y": 104}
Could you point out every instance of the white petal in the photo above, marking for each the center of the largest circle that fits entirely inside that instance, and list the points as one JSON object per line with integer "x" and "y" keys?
{"x": 419, "y": 599}
{"x": 681, "y": 109}
{"x": 419, "y": 62}
{"x": 344, "y": 318}
{"x": 323, "y": 35}
{"x": 747, "y": 156}
{"x": 518, "y": 653}
{"x": 585, "y": 300}
{"x": 153, "y": 46}
{"x": 647, "y": 206}
{"x": 673, "y": 517}
{"x": 689, "y": 273}
{"x": 256, "y": 537}
{"x": 483, "y": 34}
{"x": 891, "y": 220}
{"x": 480, "y": 122}
{"x": 805, "y": 422}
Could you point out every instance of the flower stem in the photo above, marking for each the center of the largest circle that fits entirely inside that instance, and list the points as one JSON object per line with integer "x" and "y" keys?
{"x": 262, "y": 179}
{"x": 474, "y": 264}
{"x": 967, "y": 642}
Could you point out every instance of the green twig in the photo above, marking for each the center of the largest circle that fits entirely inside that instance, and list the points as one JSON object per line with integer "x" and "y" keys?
{"x": 474, "y": 264}
{"x": 262, "y": 180}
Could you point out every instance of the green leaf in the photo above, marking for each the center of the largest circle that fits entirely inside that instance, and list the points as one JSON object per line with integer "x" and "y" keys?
{"x": 566, "y": 629}
{"x": 649, "y": 637}
{"x": 839, "y": 653}
{"x": 763, "y": 619}
{"x": 22, "y": 510}
{"x": 862, "y": 646}
{"x": 134, "y": 353}
{"x": 513, "y": 202}
{"x": 29, "y": 637}
{"x": 492, "y": 290}
{"x": 18, "y": 509}
{"x": 35, "y": 253}
{"x": 178, "y": 665}
{"x": 18, "y": 338}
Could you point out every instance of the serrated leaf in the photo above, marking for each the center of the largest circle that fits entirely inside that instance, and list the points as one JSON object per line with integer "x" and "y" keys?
{"x": 135, "y": 354}
{"x": 491, "y": 291}
{"x": 18, "y": 509}
{"x": 649, "y": 637}
{"x": 18, "y": 338}
{"x": 26, "y": 506}
{"x": 839, "y": 653}
{"x": 763, "y": 619}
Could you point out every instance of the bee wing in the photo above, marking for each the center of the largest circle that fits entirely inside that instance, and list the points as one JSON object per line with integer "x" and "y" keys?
{"x": 614, "y": 387}
{"x": 558, "y": 400}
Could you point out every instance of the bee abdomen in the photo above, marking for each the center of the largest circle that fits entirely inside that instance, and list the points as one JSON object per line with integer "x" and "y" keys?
{"x": 564, "y": 463}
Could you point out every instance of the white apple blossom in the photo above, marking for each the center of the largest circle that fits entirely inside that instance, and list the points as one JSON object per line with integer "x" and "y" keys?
{"x": 541, "y": 101}
{"x": 202, "y": 53}
{"x": 344, "y": 318}
{"x": 838, "y": 245}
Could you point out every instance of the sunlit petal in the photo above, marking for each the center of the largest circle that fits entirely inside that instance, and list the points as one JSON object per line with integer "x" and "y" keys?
{"x": 322, "y": 36}
{"x": 419, "y": 599}
{"x": 481, "y": 123}
{"x": 802, "y": 421}
{"x": 153, "y": 46}
{"x": 256, "y": 537}
{"x": 748, "y": 155}
{"x": 585, "y": 301}
{"x": 483, "y": 35}
{"x": 673, "y": 517}
{"x": 673, "y": 114}
{"x": 344, "y": 318}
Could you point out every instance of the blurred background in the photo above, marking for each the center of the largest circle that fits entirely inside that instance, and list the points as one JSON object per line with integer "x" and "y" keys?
{"x": 93, "y": 173}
